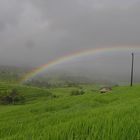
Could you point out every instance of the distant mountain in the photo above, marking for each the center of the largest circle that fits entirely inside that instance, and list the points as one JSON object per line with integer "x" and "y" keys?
{"x": 12, "y": 73}
{"x": 65, "y": 78}
{"x": 52, "y": 78}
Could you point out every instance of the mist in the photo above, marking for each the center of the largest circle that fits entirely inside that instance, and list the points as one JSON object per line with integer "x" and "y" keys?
{"x": 35, "y": 32}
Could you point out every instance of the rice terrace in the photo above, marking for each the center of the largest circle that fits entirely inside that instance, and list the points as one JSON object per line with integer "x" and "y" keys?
{"x": 69, "y": 70}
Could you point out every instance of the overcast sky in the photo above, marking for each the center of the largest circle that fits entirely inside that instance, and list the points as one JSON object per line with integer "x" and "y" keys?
{"x": 33, "y": 32}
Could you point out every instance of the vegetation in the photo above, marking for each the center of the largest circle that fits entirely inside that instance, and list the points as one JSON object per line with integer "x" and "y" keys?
{"x": 91, "y": 116}
{"x": 12, "y": 74}
{"x": 11, "y": 97}
{"x": 78, "y": 92}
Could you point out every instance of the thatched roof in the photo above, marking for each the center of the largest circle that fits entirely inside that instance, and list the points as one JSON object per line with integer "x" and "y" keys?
{"x": 105, "y": 89}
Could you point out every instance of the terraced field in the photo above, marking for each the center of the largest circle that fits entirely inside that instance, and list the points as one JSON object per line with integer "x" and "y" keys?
{"x": 54, "y": 114}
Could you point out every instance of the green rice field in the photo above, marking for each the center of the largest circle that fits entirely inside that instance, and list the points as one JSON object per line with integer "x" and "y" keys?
{"x": 54, "y": 114}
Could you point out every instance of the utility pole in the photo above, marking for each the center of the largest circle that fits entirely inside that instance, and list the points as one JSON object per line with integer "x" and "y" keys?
{"x": 132, "y": 70}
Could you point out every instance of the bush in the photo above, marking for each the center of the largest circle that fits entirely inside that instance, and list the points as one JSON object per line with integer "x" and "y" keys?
{"x": 11, "y": 97}
{"x": 77, "y": 92}
{"x": 54, "y": 96}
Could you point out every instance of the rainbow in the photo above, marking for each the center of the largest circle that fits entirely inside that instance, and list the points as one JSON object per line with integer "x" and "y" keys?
{"x": 79, "y": 54}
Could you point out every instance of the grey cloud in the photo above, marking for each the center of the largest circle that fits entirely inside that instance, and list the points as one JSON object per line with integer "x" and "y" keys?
{"x": 89, "y": 26}
{"x": 34, "y": 32}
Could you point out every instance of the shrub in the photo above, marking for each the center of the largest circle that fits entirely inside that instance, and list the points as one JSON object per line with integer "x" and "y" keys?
{"x": 54, "y": 96}
{"x": 77, "y": 92}
{"x": 11, "y": 97}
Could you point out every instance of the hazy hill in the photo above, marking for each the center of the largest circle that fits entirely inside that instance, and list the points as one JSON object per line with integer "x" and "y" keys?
{"x": 55, "y": 78}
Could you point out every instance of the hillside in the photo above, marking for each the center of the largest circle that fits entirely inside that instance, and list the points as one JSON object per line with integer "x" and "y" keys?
{"x": 53, "y": 78}
{"x": 12, "y": 74}
{"x": 61, "y": 116}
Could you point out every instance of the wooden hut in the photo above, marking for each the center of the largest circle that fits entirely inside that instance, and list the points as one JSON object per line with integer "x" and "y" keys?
{"x": 105, "y": 89}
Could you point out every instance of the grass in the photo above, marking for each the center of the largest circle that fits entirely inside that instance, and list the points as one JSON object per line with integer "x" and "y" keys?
{"x": 92, "y": 116}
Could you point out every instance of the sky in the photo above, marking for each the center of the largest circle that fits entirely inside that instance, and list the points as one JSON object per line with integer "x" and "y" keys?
{"x": 34, "y": 32}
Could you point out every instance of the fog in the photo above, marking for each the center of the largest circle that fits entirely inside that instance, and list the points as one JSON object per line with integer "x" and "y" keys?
{"x": 35, "y": 32}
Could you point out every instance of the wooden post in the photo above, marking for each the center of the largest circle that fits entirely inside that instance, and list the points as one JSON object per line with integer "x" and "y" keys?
{"x": 132, "y": 70}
